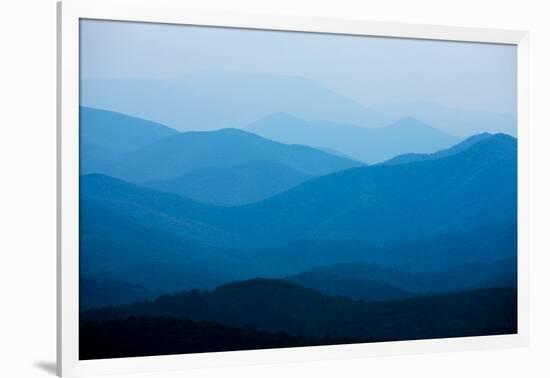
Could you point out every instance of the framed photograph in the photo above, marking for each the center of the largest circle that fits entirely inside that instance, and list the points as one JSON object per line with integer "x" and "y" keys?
{"x": 246, "y": 188}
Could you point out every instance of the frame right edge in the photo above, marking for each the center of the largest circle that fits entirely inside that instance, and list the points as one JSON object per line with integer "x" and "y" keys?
{"x": 523, "y": 89}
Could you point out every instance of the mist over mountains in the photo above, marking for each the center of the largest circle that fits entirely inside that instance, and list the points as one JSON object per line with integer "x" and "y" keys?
{"x": 217, "y": 100}
{"x": 283, "y": 220}
{"x": 458, "y": 121}
{"x": 299, "y": 230}
{"x": 212, "y": 100}
{"x": 369, "y": 145}
{"x": 186, "y": 152}
{"x": 234, "y": 185}
{"x": 334, "y": 206}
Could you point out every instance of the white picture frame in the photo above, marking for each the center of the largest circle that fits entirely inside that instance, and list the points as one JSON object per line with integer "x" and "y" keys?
{"x": 69, "y": 14}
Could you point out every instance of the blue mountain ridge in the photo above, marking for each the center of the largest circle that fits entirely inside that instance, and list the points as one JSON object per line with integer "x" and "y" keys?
{"x": 182, "y": 153}
{"x": 369, "y": 145}
{"x": 381, "y": 204}
{"x": 369, "y": 282}
{"x": 413, "y": 157}
{"x": 117, "y": 132}
{"x": 166, "y": 242}
{"x": 105, "y": 135}
{"x": 458, "y": 121}
{"x": 233, "y": 185}
{"x": 225, "y": 167}
{"x": 474, "y": 187}
{"x": 200, "y": 102}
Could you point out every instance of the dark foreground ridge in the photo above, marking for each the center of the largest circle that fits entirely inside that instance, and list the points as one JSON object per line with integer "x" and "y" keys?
{"x": 262, "y": 313}
{"x": 154, "y": 336}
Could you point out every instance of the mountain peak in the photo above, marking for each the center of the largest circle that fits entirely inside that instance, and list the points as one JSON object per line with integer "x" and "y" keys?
{"x": 500, "y": 141}
{"x": 226, "y": 134}
{"x": 479, "y": 142}
{"x": 502, "y": 137}
{"x": 177, "y": 155}
{"x": 228, "y": 131}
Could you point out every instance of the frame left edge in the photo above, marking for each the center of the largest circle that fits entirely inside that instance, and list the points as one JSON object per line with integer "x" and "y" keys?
{"x": 67, "y": 187}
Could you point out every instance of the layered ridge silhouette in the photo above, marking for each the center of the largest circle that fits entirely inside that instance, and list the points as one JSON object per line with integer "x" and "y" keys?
{"x": 291, "y": 236}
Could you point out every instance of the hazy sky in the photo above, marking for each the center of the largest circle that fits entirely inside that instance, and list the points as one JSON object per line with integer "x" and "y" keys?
{"x": 371, "y": 70}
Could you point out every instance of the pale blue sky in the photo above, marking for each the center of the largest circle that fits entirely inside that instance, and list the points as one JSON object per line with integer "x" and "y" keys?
{"x": 371, "y": 70}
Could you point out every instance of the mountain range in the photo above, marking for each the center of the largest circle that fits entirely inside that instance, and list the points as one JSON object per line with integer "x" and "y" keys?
{"x": 472, "y": 174}
{"x": 279, "y": 306}
{"x": 381, "y": 204}
{"x": 465, "y": 190}
{"x": 227, "y": 99}
{"x": 105, "y": 135}
{"x": 459, "y": 121}
{"x": 231, "y": 167}
{"x": 464, "y": 145}
{"x": 186, "y": 152}
{"x": 370, "y": 283}
{"x": 164, "y": 242}
{"x": 165, "y": 262}
{"x": 369, "y": 145}
{"x": 281, "y": 235}
{"x": 217, "y": 100}
{"x": 234, "y": 185}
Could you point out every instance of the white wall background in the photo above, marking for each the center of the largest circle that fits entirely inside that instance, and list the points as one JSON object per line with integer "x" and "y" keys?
{"x": 27, "y": 200}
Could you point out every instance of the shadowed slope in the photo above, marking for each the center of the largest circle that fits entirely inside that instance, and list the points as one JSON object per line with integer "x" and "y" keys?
{"x": 377, "y": 204}
{"x": 233, "y": 186}
{"x": 464, "y": 145}
{"x": 279, "y": 306}
{"x": 186, "y": 152}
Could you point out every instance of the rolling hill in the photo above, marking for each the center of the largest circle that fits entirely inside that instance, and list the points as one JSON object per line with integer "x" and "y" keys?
{"x": 117, "y": 132}
{"x": 357, "y": 286}
{"x": 422, "y": 216}
{"x": 233, "y": 186}
{"x": 279, "y": 306}
{"x": 378, "y": 204}
{"x": 464, "y": 145}
{"x": 140, "y": 236}
{"x": 369, "y": 145}
{"x": 483, "y": 245}
{"x": 370, "y": 282}
{"x": 183, "y": 153}
{"x": 105, "y": 135}
{"x": 146, "y": 243}
{"x": 388, "y": 203}
{"x": 147, "y": 246}
{"x": 225, "y": 167}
